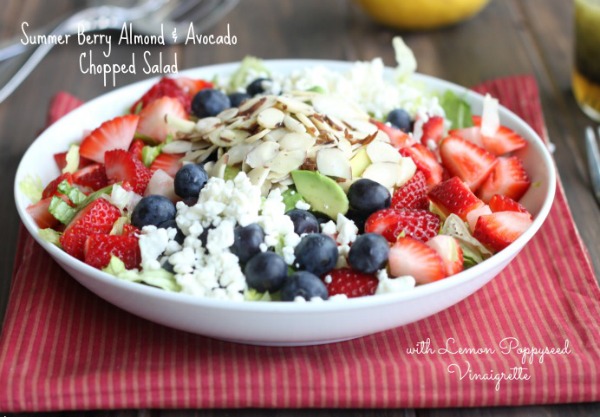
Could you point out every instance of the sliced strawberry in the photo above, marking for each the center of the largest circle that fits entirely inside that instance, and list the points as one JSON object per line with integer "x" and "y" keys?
{"x": 92, "y": 177}
{"x": 161, "y": 183}
{"x": 168, "y": 162}
{"x": 52, "y": 187}
{"x": 474, "y": 214}
{"x": 40, "y": 214}
{"x": 99, "y": 248}
{"x": 433, "y": 129}
{"x": 136, "y": 148}
{"x": 498, "y": 230}
{"x": 129, "y": 229}
{"x": 411, "y": 257}
{"x": 471, "y": 134}
{"x": 508, "y": 178}
{"x": 450, "y": 251}
{"x": 413, "y": 194}
{"x": 61, "y": 160}
{"x": 398, "y": 138}
{"x": 166, "y": 87}
{"x": 502, "y": 203}
{"x": 454, "y": 196}
{"x": 123, "y": 166}
{"x": 351, "y": 283}
{"x": 469, "y": 162}
{"x": 96, "y": 218}
{"x": 116, "y": 133}
{"x": 153, "y": 118}
{"x": 504, "y": 140}
{"x": 391, "y": 223}
{"x": 192, "y": 86}
{"x": 425, "y": 161}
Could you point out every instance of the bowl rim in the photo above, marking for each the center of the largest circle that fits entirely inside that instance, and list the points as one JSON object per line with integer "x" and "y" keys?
{"x": 422, "y": 291}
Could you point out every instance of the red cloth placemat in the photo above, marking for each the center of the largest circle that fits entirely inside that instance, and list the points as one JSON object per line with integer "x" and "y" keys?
{"x": 64, "y": 348}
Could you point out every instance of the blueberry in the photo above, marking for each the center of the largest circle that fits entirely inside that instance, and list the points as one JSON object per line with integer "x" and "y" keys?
{"x": 247, "y": 240}
{"x": 209, "y": 102}
{"x": 369, "y": 253}
{"x": 266, "y": 271}
{"x": 316, "y": 253}
{"x": 304, "y": 221}
{"x": 303, "y": 284}
{"x": 321, "y": 217}
{"x": 153, "y": 210}
{"x": 204, "y": 235}
{"x": 236, "y": 99}
{"x": 258, "y": 86}
{"x": 400, "y": 118}
{"x": 368, "y": 196}
{"x": 189, "y": 180}
{"x": 168, "y": 266}
{"x": 179, "y": 237}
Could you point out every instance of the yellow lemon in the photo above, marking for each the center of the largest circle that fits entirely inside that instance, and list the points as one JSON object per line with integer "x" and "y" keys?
{"x": 421, "y": 14}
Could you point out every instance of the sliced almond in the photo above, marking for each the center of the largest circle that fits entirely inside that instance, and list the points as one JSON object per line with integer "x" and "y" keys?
{"x": 296, "y": 141}
{"x": 199, "y": 156}
{"x": 207, "y": 125}
{"x": 276, "y": 135}
{"x": 270, "y": 118}
{"x": 233, "y": 136}
{"x": 257, "y": 136}
{"x": 218, "y": 170}
{"x": 385, "y": 173}
{"x": 338, "y": 107}
{"x": 262, "y": 154}
{"x": 293, "y": 124}
{"x": 332, "y": 162}
{"x": 382, "y": 152}
{"x": 228, "y": 114}
{"x": 287, "y": 161}
{"x": 310, "y": 126}
{"x": 293, "y": 105}
{"x": 178, "y": 146}
{"x": 258, "y": 175}
{"x": 238, "y": 153}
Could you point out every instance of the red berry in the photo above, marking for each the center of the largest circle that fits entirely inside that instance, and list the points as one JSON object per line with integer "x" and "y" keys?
{"x": 392, "y": 223}
{"x": 466, "y": 160}
{"x": 433, "y": 129}
{"x": 454, "y": 196}
{"x": 52, "y": 187}
{"x": 426, "y": 161}
{"x": 413, "y": 194}
{"x": 99, "y": 248}
{"x": 498, "y": 230}
{"x": 116, "y": 133}
{"x": 166, "y": 87}
{"x": 411, "y": 257}
{"x": 123, "y": 166}
{"x": 502, "y": 203}
{"x": 508, "y": 178}
{"x": 350, "y": 283}
{"x": 92, "y": 177}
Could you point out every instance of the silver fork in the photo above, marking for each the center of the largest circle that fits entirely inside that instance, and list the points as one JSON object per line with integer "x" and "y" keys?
{"x": 593, "y": 157}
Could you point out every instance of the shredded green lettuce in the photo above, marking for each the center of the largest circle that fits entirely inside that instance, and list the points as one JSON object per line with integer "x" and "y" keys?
{"x": 249, "y": 65}
{"x": 72, "y": 158}
{"x": 473, "y": 251}
{"x": 117, "y": 228}
{"x": 457, "y": 110}
{"x": 157, "y": 278}
{"x": 73, "y": 193}
{"x": 50, "y": 235}
{"x": 62, "y": 211}
{"x": 252, "y": 295}
{"x": 32, "y": 187}
{"x": 95, "y": 195}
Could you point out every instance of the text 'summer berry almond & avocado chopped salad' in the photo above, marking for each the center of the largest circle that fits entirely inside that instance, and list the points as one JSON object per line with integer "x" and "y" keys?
{"x": 306, "y": 186}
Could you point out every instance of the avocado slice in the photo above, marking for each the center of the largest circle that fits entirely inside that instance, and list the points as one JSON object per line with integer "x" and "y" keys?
{"x": 360, "y": 162}
{"x": 321, "y": 192}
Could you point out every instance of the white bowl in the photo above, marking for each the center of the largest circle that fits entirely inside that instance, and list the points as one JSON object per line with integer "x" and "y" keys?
{"x": 278, "y": 323}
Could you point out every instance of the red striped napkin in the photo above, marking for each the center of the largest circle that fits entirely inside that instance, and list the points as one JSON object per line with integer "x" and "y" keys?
{"x": 529, "y": 337}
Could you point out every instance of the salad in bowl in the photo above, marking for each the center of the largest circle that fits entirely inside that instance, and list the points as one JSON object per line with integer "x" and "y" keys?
{"x": 286, "y": 202}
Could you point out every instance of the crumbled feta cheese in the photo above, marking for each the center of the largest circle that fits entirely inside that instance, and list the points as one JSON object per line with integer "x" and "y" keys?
{"x": 153, "y": 242}
{"x": 392, "y": 285}
{"x": 347, "y": 230}
{"x": 123, "y": 199}
{"x": 328, "y": 279}
{"x": 221, "y": 237}
{"x": 302, "y": 205}
{"x": 329, "y": 228}
{"x": 278, "y": 227}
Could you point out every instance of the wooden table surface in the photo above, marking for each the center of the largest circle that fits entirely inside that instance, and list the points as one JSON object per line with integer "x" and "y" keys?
{"x": 509, "y": 37}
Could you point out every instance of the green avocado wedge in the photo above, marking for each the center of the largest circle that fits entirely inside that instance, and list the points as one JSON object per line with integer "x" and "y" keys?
{"x": 321, "y": 192}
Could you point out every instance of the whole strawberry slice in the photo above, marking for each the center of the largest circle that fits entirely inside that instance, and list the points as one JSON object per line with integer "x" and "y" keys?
{"x": 498, "y": 230}
{"x": 398, "y": 138}
{"x": 391, "y": 223}
{"x": 136, "y": 148}
{"x": 153, "y": 118}
{"x": 454, "y": 196}
{"x": 123, "y": 166}
{"x": 168, "y": 162}
{"x": 450, "y": 251}
{"x": 116, "y": 133}
{"x": 413, "y": 194}
{"x": 99, "y": 248}
{"x": 166, "y": 87}
{"x": 40, "y": 214}
{"x": 503, "y": 141}
{"x": 61, "y": 160}
{"x": 350, "y": 283}
{"x": 92, "y": 177}
{"x": 97, "y": 217}
{"x": 502, "y": 203}
{"x": 508, "y": 178}
{"x": 411, "y": 257}
{"x": 466, "y": 160}
{"x": 426, "y": 161}
{"x": 433, "y": 129}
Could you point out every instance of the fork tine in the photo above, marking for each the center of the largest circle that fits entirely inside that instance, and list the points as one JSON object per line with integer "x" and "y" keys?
{"x": 593, "y": 157}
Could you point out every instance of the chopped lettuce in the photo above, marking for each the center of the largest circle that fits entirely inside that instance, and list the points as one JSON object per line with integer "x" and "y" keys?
{"x": 73, "y": 193}
{"x": 62, "y": 211}
{"x": 250, "y": 67}
{"x": 50, "y": 235}
{"x": 457, "y": 110}
{"x": 407, "y": 63}
{"x": 473, "y": 251}
{"x": 32, "y": 187}
{"x": 72, "y": 158}
{"x": 157, "y": 278}
{"x": 252, "y": 295}
{"x": 95, "y": 195}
